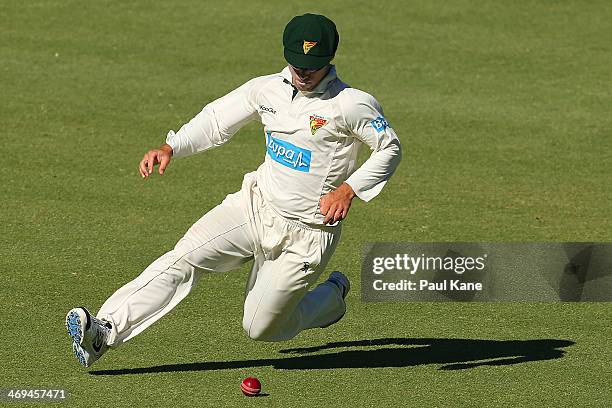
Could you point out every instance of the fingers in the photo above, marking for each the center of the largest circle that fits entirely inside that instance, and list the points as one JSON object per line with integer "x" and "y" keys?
{"x": 163, "y": 163}
{"x": 151, "y": 161}
{"x": 324, "y": 207}
{"x": 328, "y": 217}
{"x": 338, "y": 215}
{"x": 333, "y": 208}
{"x": 345, "y": 209}
{"x": 142, "y": 167}
{"x": 335, "y": 212}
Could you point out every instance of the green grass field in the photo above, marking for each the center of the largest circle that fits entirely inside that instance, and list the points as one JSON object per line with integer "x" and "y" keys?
{"x": 503, "y": 109}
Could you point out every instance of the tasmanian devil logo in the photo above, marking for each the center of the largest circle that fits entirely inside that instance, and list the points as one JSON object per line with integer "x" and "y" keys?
{"x": 316, "y": 122}
{"x": 308, "y": 46}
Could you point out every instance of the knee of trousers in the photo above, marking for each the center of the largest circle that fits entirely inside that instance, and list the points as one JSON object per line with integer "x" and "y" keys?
{"x": 172, "y": 269}
{"x": 264, "y": 330}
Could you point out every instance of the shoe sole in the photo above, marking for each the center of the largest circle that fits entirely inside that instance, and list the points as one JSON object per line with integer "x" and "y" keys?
{"x": 74, "y": 327}
{"x": 335, "y": 321}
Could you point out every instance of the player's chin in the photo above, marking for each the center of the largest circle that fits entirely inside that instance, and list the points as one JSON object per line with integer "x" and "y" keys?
{"x": 303, "y": 86}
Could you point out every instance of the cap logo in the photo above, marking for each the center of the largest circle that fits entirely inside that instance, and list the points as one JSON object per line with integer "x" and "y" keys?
{"x": 316, "y": 122}
{"x": 308, "y": 45}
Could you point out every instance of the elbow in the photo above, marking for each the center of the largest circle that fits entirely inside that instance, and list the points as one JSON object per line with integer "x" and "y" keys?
{"x": 395, "y": 148}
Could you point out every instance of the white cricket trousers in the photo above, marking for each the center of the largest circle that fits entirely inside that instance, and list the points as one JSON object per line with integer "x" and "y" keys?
{"x": 288, "y": 255}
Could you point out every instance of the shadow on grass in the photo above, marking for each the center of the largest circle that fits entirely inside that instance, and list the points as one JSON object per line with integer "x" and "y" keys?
{"x": 453, "y": 354}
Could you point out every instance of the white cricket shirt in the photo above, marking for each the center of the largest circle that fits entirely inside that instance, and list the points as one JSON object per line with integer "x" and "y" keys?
{"x": 312, "y": 139}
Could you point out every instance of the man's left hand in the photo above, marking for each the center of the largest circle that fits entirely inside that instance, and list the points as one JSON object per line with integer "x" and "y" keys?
{"x": 335, "y": 205}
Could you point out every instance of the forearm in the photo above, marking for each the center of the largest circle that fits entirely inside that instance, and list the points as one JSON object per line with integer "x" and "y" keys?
{"x": 364, "y": 118}
{"x": 216, "y": 123}
{"x": 197, "y": 135}
{"x": 369, "y": 179}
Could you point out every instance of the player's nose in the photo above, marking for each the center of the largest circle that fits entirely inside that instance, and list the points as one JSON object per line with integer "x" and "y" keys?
{"x": 302, "y": 75}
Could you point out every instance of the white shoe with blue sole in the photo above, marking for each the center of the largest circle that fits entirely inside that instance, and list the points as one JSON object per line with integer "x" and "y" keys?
{"x": 89, "y": 335}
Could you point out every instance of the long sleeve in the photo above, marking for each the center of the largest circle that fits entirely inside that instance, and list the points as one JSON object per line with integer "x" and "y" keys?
{"x": 364, "y": 118}
{"x": 216, "y": 123}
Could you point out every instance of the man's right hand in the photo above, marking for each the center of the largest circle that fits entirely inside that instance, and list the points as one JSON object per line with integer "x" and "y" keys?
{"x": 161, "y": 156}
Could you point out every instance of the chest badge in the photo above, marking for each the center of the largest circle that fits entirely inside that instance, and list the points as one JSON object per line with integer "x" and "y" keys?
{"x": 316, "y": 122}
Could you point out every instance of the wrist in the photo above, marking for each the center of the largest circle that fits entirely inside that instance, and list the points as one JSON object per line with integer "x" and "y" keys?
{"x": 166, "y": 148}
{"x": 347, "y": 190}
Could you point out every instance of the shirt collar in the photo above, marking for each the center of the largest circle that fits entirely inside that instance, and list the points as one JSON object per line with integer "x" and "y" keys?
{"x": 321, "y": 86}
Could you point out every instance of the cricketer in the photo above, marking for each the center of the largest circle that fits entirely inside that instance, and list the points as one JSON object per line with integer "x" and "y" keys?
{"x": 286, "y": 218}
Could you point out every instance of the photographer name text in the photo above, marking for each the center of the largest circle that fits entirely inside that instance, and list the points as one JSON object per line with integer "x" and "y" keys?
{"x": 425, "y": 285}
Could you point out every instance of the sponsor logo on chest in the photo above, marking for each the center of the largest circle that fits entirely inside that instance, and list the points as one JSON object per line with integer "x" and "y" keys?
{"x": 288, "y": 154}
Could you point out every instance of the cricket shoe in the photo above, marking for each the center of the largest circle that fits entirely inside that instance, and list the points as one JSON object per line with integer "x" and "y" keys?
{"x": 341, "y": 281}
{"x": 89, "y": 335}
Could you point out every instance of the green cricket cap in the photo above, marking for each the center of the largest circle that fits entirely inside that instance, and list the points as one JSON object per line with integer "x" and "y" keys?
{"x": 310, "y": 41}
